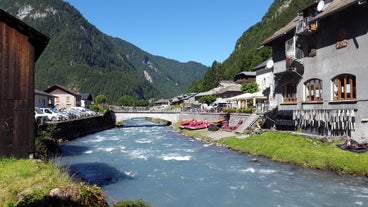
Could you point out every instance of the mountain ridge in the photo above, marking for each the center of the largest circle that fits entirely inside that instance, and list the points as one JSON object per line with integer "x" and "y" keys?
{"x": 82, "y": 58}
{"x": 247, "y": 52}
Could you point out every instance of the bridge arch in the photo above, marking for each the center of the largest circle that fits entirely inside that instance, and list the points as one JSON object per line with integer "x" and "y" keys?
{"x": 172, "y": 117}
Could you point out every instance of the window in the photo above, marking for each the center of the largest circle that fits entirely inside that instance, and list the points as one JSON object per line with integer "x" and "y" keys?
{"x": 344, "y": 87}
{"x": 290, "y": 92}
{"x": 313, "y": 90}
{"x": 67, "y": 98}
{"x": 341, "y": 38}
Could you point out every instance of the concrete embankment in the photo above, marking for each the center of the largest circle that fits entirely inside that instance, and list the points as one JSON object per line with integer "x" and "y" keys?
{"x": 72, "y": 129}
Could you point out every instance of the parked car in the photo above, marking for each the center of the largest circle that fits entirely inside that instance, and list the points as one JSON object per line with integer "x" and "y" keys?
{"x": 52, "y": 115}
{"x": 40, "y": 117}
{"x": 82, "y": 111}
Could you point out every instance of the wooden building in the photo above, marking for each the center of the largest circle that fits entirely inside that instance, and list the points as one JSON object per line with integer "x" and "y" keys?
{"x": 20, "y": 47}
{"x": 245, "y": 77}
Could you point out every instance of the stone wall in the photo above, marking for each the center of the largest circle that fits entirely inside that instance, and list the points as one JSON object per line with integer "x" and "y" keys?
{"x": 76, "y": 128}
{"x": 234, "y": 117}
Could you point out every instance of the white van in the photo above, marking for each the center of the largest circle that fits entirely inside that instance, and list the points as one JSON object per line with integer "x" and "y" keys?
{"x": 216, "y": 106}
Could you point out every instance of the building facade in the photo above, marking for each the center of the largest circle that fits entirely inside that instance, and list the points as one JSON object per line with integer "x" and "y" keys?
{"x": 266, "y": 82}
{"x": 87, "y": 100}
{"x": 65, "y": 97}
{"x": 320, "y": 66}
{"x": 43, "y": 99}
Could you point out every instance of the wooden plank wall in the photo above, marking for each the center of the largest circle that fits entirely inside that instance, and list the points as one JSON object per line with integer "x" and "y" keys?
{"x": 16, "y": 93}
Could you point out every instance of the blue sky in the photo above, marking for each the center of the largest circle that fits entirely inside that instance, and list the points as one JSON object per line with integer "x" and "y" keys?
{"x": 185, "y": 30}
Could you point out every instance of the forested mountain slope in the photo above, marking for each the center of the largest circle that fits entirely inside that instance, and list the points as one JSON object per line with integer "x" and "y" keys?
{"x": 247, "y": 54}
{"x": 82, "y": 58}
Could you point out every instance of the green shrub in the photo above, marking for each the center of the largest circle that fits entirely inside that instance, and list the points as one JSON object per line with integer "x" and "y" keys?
{"x": 45, "y": 145}
{"x": 98, "y": 108}
{"x": 136, "y": 203}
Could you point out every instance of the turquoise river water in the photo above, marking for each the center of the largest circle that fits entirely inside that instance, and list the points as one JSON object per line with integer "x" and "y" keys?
{"x": 157, "y": 164}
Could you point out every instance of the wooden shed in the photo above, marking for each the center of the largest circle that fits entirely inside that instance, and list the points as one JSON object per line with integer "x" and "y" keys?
{"x": 20, "y": 47}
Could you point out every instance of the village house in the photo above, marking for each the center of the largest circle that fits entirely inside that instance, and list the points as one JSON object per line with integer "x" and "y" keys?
{"x": 86, "y": 100}
{"x": 43, "y": 99}
{"x": 266, "y": 82}
{"x": 21, "y": 46}
{"x": 320, "y": 66}
{"x": 225, "y": 89}
{"x": 245, "y": 77}
{"x": 65, "y": 97}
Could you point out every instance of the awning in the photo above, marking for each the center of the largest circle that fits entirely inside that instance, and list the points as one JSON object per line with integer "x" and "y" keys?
{"x": 248, "y": 96}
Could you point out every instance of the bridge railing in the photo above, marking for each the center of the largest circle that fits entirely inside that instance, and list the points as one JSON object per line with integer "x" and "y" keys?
{"x": 143, "y": 109}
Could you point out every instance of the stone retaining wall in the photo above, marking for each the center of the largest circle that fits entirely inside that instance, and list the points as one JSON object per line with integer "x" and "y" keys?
{"x": 234, "y": 117}
{"x": 76, "y": 128}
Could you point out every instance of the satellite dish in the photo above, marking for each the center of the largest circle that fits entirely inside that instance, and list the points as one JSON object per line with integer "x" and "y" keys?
{"x": 269, "y": 64}
{"x": 320, "y": 6}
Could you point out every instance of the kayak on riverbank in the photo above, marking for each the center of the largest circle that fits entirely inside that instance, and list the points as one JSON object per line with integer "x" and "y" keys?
{"x": 193, "y": 124}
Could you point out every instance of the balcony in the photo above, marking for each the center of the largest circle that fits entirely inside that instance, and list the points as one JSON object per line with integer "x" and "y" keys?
{"x": 305, "y": 26}
{"x": 294, "y": 56}
{"x": 292, "y": 51}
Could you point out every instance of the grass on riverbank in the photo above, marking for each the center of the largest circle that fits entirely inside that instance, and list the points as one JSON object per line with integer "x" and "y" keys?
{"x": 302, "y": 151}
{"x": 25, "y": 182}
{"x": 24, "y": 176}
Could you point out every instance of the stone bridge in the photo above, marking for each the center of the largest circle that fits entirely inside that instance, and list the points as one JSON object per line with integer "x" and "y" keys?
{"x": 172, "y": 117}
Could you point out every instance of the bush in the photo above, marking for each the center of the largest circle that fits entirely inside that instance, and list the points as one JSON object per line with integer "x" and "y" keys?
{"x": 45, "y": 145}
{"x": 98, "y": 108}
{"x": 136, "y": 203}
{"x": 46, "y": 148}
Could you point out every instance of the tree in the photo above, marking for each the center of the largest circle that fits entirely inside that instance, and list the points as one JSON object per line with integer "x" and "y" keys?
{"x": 101, "y": 99}
{"x": 250, "y": 87}
{"x": 126, "y": 101}
{"x": 207, "y": 99}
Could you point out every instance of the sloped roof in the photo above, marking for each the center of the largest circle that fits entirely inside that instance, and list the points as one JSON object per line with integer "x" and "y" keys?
{"x": 247, "y": 73}
{"x": 221, "y": 89}
{"x": 37, "y": 39}
{"x": 233, "y": 88}
{"x": 162, "y": 101}
{"x": 86, "y": 96}
{"x": 57, "y": 86}
{"x": 262, "y": 65}
{"x": 39, "y": 92}
{"x": 281, "y": 32}
{"x": 333, "y": 7}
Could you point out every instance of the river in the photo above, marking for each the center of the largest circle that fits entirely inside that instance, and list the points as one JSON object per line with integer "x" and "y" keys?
{"x": 166, "y": 169}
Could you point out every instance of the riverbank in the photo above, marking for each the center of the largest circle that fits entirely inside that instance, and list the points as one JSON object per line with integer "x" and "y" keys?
{"x": 287, "y": 147}
{"x": 28, "y": 182}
